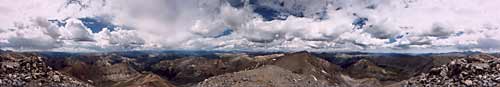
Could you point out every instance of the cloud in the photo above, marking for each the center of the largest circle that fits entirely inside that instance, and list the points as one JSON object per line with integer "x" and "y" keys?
{"x": 125, "y": 39}
{"x": 488, "y": 44}
{"x": 75, "y": 30}
{"x": 37, "y": 35}
{"x": 326, "y": 25}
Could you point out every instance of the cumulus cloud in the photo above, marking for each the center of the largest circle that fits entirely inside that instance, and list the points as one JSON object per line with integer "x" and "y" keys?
{"x": 75, "y": 30}
{"x": 37, "y": 35}
{"x": 286, "y": 25}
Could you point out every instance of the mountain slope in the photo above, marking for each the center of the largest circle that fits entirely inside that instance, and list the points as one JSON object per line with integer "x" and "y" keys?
{"x": 265, "y": 76}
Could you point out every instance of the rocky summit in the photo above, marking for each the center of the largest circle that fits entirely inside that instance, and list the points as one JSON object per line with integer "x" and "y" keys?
{"x": 28, "y": 70}
{"x": 480, "y": 70}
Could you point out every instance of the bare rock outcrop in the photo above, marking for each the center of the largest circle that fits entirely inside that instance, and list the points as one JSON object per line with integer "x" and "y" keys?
{"x": 480, "y": 70}
{"x": 29, "y": 70}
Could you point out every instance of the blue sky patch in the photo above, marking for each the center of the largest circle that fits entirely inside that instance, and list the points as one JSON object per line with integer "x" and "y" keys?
{"x": 96, "y": 24}
{"x": 59, "y": 23}
{"x": 360, "y": 22}
{"x": 227, "y": 31}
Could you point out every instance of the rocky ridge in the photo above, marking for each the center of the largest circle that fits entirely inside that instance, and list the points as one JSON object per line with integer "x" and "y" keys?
{"x": 28, "y": 70}
{"x": 480, "y": 70}
{"x": 265, "y": 76}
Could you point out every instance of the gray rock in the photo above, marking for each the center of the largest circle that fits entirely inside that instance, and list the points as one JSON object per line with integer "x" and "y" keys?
{"x": 29, "y": 70}
{"x": 467, "y": 82}
{"x": 476, "y": 71}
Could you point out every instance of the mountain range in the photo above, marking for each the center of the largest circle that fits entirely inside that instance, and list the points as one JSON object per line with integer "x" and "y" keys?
{"x": 240, "y": 69}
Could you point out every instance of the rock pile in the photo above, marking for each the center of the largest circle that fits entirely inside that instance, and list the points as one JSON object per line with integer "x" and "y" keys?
{"x": 28, "y": 70}
{"x": 480, "y": 70}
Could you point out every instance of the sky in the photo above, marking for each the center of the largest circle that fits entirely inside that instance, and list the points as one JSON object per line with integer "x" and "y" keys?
{"x": 419, "y": 26}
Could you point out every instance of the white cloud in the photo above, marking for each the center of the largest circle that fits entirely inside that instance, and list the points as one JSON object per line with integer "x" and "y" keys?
{"x": 119, "y": 38}
{"x": 75, "y": 30}
{"x": 30, "y": 37}
{"x": 197, "y": 24}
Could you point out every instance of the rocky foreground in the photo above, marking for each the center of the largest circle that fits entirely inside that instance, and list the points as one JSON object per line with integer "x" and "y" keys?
{"x": 28, "y": 70}
{"x": 478, "y": 71}
{"x": 300, "y": 69}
